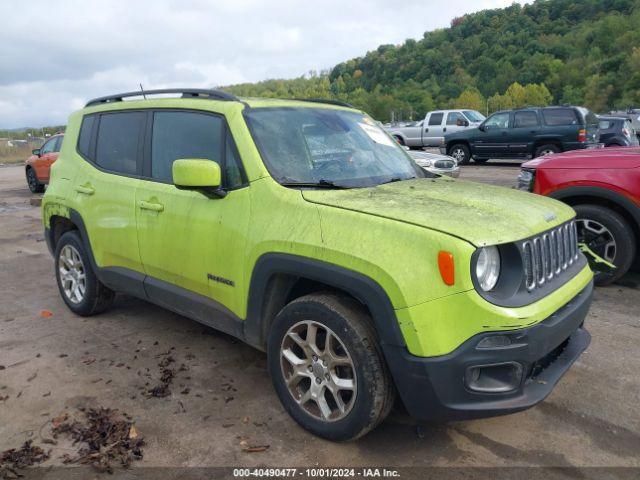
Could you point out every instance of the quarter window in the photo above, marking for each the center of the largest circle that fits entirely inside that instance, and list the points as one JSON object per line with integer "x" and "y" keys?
{"x": 118, "y": 139}
{"x": 179, "y": 135}
{"x": 436, "y": 118}
{"x": 232, "y": 160}
{"x": 84, "y": 139}
{"x": 559, "y": 116}
{"x": 525, "y": 119}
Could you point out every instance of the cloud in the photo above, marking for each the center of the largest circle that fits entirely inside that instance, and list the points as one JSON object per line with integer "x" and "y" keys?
{"x": 55, "y": 57}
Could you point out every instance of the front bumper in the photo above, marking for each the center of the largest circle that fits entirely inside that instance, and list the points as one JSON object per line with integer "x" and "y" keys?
{"x": 435, "y": 388}
{"x": 452, "y": 172}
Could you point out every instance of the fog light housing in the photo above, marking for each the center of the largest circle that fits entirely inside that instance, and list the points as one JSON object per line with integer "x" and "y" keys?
{"x": 495, "y": 378}
{"x": 494, "y": 341}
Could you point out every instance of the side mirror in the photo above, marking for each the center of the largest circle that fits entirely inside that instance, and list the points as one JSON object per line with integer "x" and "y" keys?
{"x": 462, "y": 123}
{"x": 482, "y": 127}
{"x": 198, "y": 174}
{"x": 36, "y": 151}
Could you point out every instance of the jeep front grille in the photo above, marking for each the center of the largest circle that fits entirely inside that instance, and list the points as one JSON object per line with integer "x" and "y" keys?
{"x": 548, "y": 255}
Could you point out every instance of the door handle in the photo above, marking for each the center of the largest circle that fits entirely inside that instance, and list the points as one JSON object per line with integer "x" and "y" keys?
{"x": 444, "y": 129}
{"x": 85, "y": 189}
{"x": 426, "y": 130}
{"x": 154, "y": 207}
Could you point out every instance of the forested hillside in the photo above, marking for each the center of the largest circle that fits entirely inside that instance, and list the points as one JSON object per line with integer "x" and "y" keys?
{"x": 583, "y": 52}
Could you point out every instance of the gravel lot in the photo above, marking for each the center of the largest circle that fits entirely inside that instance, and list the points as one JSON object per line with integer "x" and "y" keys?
{"x": 224, "y": 402}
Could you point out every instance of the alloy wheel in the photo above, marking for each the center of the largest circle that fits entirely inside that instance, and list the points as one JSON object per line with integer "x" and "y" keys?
{"x": 72, "y": 274}
{"x": 458, "y": 154}
{"x": 597, "y": 237}
{"x": 318, "y": 371}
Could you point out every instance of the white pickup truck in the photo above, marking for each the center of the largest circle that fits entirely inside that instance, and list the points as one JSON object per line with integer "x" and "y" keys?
{"x": 430, "y": 132}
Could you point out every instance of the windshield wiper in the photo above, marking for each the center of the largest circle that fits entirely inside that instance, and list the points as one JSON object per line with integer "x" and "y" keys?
{"x": 396, "y": 179}
{"x": 319, "y": 184}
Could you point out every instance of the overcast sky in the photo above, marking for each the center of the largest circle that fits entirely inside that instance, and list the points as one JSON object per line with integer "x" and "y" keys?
{"x": 54, "y": 56}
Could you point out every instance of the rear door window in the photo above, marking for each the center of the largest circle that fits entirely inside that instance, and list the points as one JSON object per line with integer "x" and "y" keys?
{"x": 436, "y": 119}
{"x": 525, "y": 119}
{"x": 453, "y": 117}
{"x": 604, "y": 125}
{"x": 559, "y": 116}
{"x": 119, "y": 138}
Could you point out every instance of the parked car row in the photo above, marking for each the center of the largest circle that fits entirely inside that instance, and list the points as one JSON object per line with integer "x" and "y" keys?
{"x": 524, "y": 133}
{"x": 431, "y": 131}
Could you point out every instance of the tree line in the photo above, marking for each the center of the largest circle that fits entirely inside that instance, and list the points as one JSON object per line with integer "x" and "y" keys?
{"x": 584, "y": 52}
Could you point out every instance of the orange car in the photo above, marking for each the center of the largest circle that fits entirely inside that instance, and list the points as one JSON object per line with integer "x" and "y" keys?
{"x": 38, "y": 164}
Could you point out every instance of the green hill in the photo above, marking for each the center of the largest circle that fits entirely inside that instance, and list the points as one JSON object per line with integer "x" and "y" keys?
{"x": 583, "y": 52}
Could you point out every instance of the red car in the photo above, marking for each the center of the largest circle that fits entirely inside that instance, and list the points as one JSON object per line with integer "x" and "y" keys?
{"x": 603, "y": 186}
{"x": 38, "y": 164}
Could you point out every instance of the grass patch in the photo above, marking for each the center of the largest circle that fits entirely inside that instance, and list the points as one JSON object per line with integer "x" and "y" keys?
{"x": 14, "y": 155}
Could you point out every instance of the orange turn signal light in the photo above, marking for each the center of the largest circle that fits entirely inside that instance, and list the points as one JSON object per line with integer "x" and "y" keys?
{"x": 446, "y": 266}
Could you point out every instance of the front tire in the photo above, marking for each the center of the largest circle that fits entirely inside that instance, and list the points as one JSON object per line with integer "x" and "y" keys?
{"x": 32, "y": 181}
{"x": 461, "y": 153}
{"x": 609, "y": 235}
{"x": 327, "y": 367}
{"x": 79, "y": 287}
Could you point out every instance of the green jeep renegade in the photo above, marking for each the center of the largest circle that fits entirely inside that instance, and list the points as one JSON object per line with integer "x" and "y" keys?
{"x": 303, "y": 229}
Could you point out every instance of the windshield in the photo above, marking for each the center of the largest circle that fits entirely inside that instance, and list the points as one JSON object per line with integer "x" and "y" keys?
{"x": 474, "y": 116}
{"x": 327, "y": 147}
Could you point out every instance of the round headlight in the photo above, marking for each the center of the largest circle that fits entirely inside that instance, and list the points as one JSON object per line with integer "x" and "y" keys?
{"x": 488, "y": 268}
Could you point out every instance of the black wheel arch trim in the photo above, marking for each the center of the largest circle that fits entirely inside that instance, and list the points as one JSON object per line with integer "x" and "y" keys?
{"x": 361, "y": 287}
{"x": 257, "y": 323}
{"x": 603, "y": 193}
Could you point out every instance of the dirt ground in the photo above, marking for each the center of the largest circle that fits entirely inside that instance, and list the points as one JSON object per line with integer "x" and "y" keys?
{"x": 224, "y": 401}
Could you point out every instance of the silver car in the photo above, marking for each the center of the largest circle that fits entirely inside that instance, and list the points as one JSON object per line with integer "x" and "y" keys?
{"x": 436, "y": 163}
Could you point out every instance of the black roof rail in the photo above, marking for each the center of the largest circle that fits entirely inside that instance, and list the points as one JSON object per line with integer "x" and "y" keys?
{"x": 328, "y": 101}
{"x": 186, "y": 93}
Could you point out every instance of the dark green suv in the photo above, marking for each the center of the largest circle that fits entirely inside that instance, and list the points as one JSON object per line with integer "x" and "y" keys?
{"x": 524, "y": 133}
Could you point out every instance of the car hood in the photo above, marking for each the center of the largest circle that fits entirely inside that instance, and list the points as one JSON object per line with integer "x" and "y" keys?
{"x": 623, "y": 157}
{"x": 481, "y": 214}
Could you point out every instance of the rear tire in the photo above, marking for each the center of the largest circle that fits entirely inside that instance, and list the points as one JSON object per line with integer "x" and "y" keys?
{"x": 353, "y": 359}
{"x": 460, "y": 152}
{"x": 79, "y": 287}
{"x": 547, "y": 149}
{"x": 609, "y": 235}
{"x": 32, "y": 181}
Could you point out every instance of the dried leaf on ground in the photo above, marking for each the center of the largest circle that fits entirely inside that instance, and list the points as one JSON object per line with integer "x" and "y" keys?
{"x": 107, "y": 435}
{"x": 12, "y": 460}
{"x": 46, "y": 313}
{"x": 256, "y": 448}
